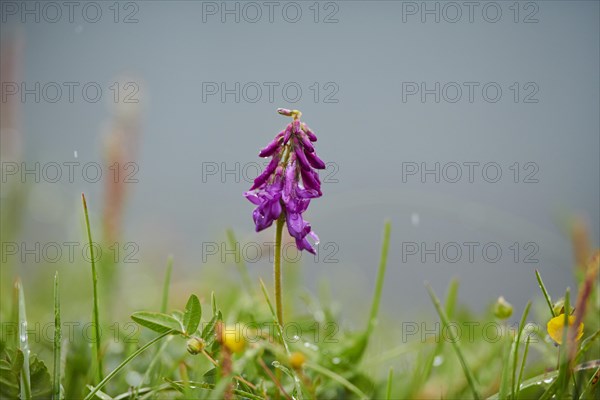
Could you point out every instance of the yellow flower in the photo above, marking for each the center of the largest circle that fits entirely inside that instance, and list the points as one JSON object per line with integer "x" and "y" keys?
{"x": 297, "y": 360}
{"x": 555, "y": 328}
{"x": 233, "y": 339}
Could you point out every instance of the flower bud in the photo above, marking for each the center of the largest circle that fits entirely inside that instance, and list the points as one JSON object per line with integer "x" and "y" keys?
{"x": 559, "y": 307}
{"x": 502, "y": 309}
{"x": 284, "y": 111}
{"x": 195, "y": 345}
{"x": 297, "y": 360}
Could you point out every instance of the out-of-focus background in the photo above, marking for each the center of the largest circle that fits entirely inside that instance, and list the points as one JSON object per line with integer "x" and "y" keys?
{"x": 473, "y": 127}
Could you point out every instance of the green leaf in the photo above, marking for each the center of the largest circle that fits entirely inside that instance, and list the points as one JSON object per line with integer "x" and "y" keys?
{"x": 41, "y": 382}
{"x": 209, "y": 329}
{"x": 11, "y": 364}
{"x": 158, "y": 322}
{"x": 192, "y": 315}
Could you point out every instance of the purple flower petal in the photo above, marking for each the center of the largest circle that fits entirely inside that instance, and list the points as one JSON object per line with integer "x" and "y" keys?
{"x": 308, "y": 147}
{"x": 290, "y": 176}
{"x": 309, "y": 180}
{"x": 300, "y": 155}
{"x": 311, "y": 135}
{"x": 272, "y": 147}
{"x": 287, "y": 134}
{"x": 262, "y": 178}
{"x": 315, "y": 161}
{"x": 296, "y": 126}
{"x": 252, "y": 197}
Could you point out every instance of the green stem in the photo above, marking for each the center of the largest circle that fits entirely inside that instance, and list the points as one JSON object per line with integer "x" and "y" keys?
{"x": 95, "y": 289}
{"x": 123, "y": 364}
{"x": 380, "y": 278}
{"x": 277, "y": 268}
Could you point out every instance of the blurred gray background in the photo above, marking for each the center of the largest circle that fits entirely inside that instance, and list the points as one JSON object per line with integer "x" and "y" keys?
{"x": 364, "y": 57}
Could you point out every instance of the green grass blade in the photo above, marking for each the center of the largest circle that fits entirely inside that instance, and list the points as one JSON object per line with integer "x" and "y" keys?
{"x": 564, "y": 371}
{"x": 338, "y": 378}
{"x": 274, "y": 315}
{"x": 586, "y": 393}
{"x": 549, "y": 393}
{"x": 23, "y": 343}
{"x": 57, "y": 340}
{"x": 240, "y": 263}
{"x": 504, "y": 379}
{"x": 468, "y": 374}
{"x": 421, "y": 376}
{"x": 544, "y": 379}
{"x": 380, "y": 279}
{"x": 523, "y": 362}
{"x": 451, "y": 297}
{"x": 96, "y": 313}
{"x": 388, "y": 391}
{"x": 516, "y": 349}
{"x": 587, "y": 343}
{"x": 165, "y": 293}
{"x": 153, "y": 363}
{"x": 115, "y": 371}
{"x": 545, "y": 293}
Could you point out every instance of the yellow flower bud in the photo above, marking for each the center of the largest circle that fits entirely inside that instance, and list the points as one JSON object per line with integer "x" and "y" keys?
{"x": 559, "y": 307}
{"x": 556, "y": 326}
{"x": 195, "y": 345}
{"x": 297, "y": 360}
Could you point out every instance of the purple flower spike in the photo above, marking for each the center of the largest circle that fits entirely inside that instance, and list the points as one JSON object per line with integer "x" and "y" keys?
{"x": 289, "y": 182}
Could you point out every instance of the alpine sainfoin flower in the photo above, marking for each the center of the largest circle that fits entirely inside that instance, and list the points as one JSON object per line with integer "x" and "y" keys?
{"x": 289, "y": 181}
